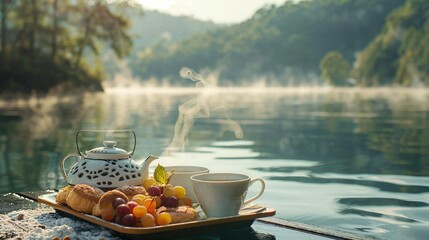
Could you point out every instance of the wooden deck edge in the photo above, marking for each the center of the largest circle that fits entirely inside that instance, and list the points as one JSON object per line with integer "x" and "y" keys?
{"x": 297, "y": 226}
{"x": 325, "y": 232}
{"x": 34, "y": 194}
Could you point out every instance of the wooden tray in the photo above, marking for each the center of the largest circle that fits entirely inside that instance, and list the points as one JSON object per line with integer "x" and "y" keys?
{"x": 244, "y": 219}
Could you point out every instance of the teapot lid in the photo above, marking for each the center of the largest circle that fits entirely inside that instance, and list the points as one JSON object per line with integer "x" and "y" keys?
{"x": 108, "y": 152}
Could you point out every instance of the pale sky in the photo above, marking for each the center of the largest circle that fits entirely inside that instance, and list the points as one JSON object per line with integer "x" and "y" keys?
{"x": 218, "y": 11}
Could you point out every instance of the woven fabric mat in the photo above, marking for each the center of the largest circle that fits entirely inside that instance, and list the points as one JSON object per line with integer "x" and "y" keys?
{"x": 44, "y": 223}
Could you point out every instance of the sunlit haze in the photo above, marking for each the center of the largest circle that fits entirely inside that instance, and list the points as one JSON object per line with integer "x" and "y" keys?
{"x": 218, "y": 11}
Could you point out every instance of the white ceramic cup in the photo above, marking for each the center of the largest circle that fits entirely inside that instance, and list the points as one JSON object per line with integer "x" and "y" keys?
{"x": 182, "y": 177}
{"x": 223, "y": 194}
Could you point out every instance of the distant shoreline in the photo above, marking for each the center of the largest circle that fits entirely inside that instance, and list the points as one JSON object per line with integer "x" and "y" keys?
{"x": 225, "y": 90}
{"x": 258, "y": 89}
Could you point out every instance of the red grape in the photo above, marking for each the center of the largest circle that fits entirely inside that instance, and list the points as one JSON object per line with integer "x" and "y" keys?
{"x": 128, "y": 220}
{"x": 154, "y": 191}
{"x": 118, "y": 201}
{"x": 171, "y": 202}
{"x": 132, "y": 205}
{"x": 118, "y": 219}
{"x": 122, "y": 210}
{"x": 163, "y": 198}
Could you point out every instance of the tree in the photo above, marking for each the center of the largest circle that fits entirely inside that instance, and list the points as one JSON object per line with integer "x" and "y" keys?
{"x": 335, "y": 69}
{"x": 5, "y": 4}
{"x": 99, "y": 23}
{"x": 54, "y": 29}
{"x": 46, "y": 42}
{"x": 400, "y": 52}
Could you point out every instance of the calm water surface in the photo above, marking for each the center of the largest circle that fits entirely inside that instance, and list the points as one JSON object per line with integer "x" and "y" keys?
{"x": 353, "y": 160}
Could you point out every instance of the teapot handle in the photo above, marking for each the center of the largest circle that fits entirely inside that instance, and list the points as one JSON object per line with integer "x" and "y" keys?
{"x": 63, "y": 171}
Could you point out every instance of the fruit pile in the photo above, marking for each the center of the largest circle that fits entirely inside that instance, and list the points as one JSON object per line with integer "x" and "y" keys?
{"x": 141, "y": 210}
{"x": 167, "y": 195}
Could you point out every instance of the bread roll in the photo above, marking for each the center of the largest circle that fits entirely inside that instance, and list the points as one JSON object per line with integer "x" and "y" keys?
{"x": 83, "y": 198}
{"x": 63, "y": 193}
{"x": 96, "y": 210}
{"x": 131, "y": 190}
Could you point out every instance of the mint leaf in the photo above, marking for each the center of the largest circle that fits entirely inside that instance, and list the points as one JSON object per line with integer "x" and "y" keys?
{"x": 169, "y": 175}
{"x": 160, "y": 174}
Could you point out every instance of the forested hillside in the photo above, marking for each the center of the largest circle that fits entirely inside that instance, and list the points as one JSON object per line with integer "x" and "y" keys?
{"x": 400, "y": 53}
{"x": 45, "y": 43}
{"x": 152, "y": 29}
{"x": 53, "y": 44}
{"x": 152, "y": 26}
{"x": 75, "y": 44}
{"x": 276, "y": 43}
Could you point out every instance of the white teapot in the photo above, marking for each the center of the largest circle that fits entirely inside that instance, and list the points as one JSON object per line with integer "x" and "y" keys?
{"x": 106, "y": 167}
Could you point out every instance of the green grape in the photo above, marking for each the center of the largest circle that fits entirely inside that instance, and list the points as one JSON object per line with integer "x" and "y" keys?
{"x": 147, "y": 220}
{"x": 168, "y": 192}
{"x": 179, "y": 191}
{"x": 139, "y": 211}
{"x": 149, "y": 182}
{"x": 163, "y": 218}
{"x": 139, "y": 199}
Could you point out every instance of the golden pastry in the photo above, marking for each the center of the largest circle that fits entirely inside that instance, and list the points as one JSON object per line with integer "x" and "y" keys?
{"x": 108, "y": 197}
{"x": 131, "y": 190}
{"x": 180, "y": 214}
{"x": 63, "y": 193}
{"x": 83, "y": 198}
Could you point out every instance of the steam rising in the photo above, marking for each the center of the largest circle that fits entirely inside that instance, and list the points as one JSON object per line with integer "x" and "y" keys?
{"x": 198, "y": 107}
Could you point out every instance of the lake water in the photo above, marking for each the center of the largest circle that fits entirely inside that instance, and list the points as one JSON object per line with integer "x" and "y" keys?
{"x": 356, "y": 160}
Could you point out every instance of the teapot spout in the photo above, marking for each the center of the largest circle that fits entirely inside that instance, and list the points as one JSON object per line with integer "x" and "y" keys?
{"x": 145, "y": 166}
{"x": 150, "y": 159}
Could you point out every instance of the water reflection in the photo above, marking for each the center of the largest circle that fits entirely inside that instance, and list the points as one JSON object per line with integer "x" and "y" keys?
{"x": 361, "y": 153}
{"x": 365, "y": 213}
{"x": 381, "y": 202}
{"x": 380, "y": 185}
